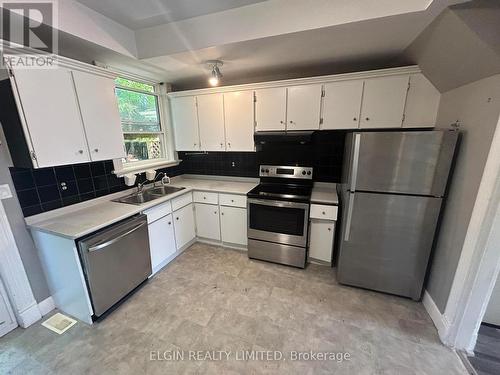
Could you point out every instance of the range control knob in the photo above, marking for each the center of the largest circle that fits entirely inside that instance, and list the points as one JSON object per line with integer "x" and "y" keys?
{"x": 304, "y": 173}
{"x": 309, "y": 173}
{"x": 262, "y": 170}
{"x": 267, "y": 170}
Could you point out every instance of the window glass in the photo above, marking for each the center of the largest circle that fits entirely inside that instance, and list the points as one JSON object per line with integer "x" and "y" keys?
{"x": 139, "y": 112}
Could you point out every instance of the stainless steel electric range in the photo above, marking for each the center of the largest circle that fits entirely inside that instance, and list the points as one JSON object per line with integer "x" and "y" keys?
{"x": 278, "y": 215}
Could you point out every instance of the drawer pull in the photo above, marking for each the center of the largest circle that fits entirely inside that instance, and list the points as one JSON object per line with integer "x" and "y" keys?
{"x": 324, "y": 213}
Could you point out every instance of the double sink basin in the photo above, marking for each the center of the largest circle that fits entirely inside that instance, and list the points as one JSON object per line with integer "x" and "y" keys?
{"x": 148, "y": 195}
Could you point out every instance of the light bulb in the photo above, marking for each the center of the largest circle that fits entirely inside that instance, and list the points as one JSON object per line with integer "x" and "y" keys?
{"x": 214, "y": 81}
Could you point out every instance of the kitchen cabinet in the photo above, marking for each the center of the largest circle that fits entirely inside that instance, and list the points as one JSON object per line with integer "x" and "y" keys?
{"x": 270, "y": 109}
{"x": 342, "y": 104}
{"x": 383, "y": 102}
{"x": 303, "y": 107}
{"x": 207, "y": 221}
{"x": 321, "y": 238}
{"x": 233, "y": 222}
{"x": 239, "y": 122}
{"x": 161, "y": 241}
{"x": 185, "y": 120}
{"x": 101, "y": 119}
{"x": 47, "y": 99}
{"x": 422, "y": 103}
{"x": 184, "y": 228}
{"x": 7, "y": 318}
{"x": 211, "y": 122}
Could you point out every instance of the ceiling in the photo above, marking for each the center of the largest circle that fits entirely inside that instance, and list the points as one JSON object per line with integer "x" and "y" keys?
{"x": 147, "y": 13}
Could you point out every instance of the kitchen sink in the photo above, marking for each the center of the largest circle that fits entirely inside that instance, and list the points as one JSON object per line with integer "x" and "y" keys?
{"x": 163, "y": 190}
{"x": 148, "y": 195}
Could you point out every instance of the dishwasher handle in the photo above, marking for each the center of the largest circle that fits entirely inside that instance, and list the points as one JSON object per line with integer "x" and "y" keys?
{"x": 102, "y": 245}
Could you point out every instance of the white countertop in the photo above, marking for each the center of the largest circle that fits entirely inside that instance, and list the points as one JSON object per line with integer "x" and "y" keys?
{"x": 84, "y": 218}
{"x": 325, "y": 193}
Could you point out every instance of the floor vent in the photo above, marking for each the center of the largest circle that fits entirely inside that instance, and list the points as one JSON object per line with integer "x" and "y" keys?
{"x": 59, "y": 323}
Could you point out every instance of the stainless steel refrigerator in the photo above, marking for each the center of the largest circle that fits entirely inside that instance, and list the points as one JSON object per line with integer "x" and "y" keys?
{"x": 392, "y": 189}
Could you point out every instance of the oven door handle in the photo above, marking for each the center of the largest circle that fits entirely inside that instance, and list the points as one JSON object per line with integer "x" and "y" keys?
{"x": 284, "y": 204}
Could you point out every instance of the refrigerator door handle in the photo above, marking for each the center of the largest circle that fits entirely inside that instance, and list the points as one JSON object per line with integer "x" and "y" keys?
{"x": 355, "y": 161}
{"x": 347, "y": 232}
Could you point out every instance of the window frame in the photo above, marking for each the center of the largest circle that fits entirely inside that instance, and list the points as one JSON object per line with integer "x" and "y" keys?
{"x": 122, "y": 168}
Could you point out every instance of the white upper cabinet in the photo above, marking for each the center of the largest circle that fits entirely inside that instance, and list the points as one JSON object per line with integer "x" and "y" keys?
{"x": 342, "y": 104}
{"x": 422, "y": 103}
{"x": 238, "y": 118}
{"x": 270, "y": 109}
{"x": 211, "y": 122}
{"x": 383, "y": 102}
{"x": 185, "y": 119}
{"x": 303, "y": 109}
{"x": 101, "y": 119}
{"x": 49, "y": 103}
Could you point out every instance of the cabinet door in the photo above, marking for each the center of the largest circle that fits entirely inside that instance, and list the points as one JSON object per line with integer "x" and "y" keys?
{"x": 422, "y": 103}
{"x": 53, "y": 119}
{"x": 101, "y": 119}
{"x": 384, "y": 102}
{"x": 238, "y": 118}
{"x": 211, "y": 120}
{"x": 321, "y": 240}
{"x": 7, "y": 319}
{"x": 270, "y": 109}
{"x": 184, "y": 225}
{"x": 342, "y": 104}
{"x": 207, "y": 221}
{"x": 233, "y": 221}
{"x": 185, "y": 121}
{"x": 303, "y": 109}
{"x": 161, "y": 241}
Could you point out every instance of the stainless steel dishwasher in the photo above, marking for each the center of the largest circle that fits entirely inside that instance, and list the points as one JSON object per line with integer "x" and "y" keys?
{"x": 115, "y": 261}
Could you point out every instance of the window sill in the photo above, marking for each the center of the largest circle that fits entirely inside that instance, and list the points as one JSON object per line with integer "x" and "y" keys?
{"x": 120, "y": 170}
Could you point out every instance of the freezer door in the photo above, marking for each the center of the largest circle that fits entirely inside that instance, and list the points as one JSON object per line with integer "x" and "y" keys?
{"x": 415, "y": 162}
{"x": 386, "y": 242}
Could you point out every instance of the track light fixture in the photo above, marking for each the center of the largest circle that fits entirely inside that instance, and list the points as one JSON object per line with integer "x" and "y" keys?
{"x": 215, "y": 74}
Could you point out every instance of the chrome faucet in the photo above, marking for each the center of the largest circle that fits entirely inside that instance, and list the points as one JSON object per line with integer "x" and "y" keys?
{"x": 140, "y": 186}
{"x": 158, "y": 175}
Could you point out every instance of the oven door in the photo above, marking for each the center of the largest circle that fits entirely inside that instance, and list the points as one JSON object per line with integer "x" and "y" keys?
{"x": 278, "y": 221}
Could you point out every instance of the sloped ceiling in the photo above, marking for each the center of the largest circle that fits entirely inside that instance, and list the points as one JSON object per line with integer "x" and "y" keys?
{"x": 461, "y": 46}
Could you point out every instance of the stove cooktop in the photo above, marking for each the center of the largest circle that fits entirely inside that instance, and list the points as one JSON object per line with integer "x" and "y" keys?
{"x": 277, "y": 191}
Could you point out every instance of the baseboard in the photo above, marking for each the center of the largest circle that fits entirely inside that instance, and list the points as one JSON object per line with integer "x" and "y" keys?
{"x": 46, "y": 306}
{"x": 29, "y": 316}
{"x": 438, "y": 319}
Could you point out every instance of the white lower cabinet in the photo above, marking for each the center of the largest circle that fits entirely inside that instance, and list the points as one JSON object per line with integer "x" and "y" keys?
{"x": 207, "y": 221}
{"x": 321, "y": 237}
{"x": 161, "y": 241}
{"x": 184, "y": 225}
{"x": 233, "y": 222}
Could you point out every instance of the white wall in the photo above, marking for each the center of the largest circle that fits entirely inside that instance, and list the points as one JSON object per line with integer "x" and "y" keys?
{"x": 492, "y": 315}
{"x": 477, "y": 107}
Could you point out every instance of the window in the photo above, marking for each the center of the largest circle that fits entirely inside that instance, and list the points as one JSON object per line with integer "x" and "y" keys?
{"x": 141, "y": 122}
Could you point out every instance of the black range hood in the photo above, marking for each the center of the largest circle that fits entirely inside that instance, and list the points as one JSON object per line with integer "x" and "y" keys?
{"x": 297, "y": 137}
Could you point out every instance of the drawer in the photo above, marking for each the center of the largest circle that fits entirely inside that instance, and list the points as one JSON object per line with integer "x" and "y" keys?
{"x": 319, "y": 211}
{"x": 233, "y": 200}
{"x": 206, "y": 197}
{"x": 182, "y": 201}
{"x": 158, "y": 212}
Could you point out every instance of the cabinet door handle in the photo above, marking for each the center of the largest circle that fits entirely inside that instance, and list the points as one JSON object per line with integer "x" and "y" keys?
{"x": 329, "y": 229}
{"x": 176, "y": 218}
{"x": 169, "y": 223}
{"x": 367, "y": 119}
{"x": 354, "y": 119}
{"x": 215, "y": 212}
{"x": 96, "y": 150}
{"x": 221, "y": 145}
{"x": 229, "y": 144}
{"x": 80, "y": 151}
{"x": 282, "y": 122}
{"x": 222, "y": 213}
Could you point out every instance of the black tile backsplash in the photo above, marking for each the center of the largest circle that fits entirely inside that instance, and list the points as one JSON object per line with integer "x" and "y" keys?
{"x": 45, "y": 189}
